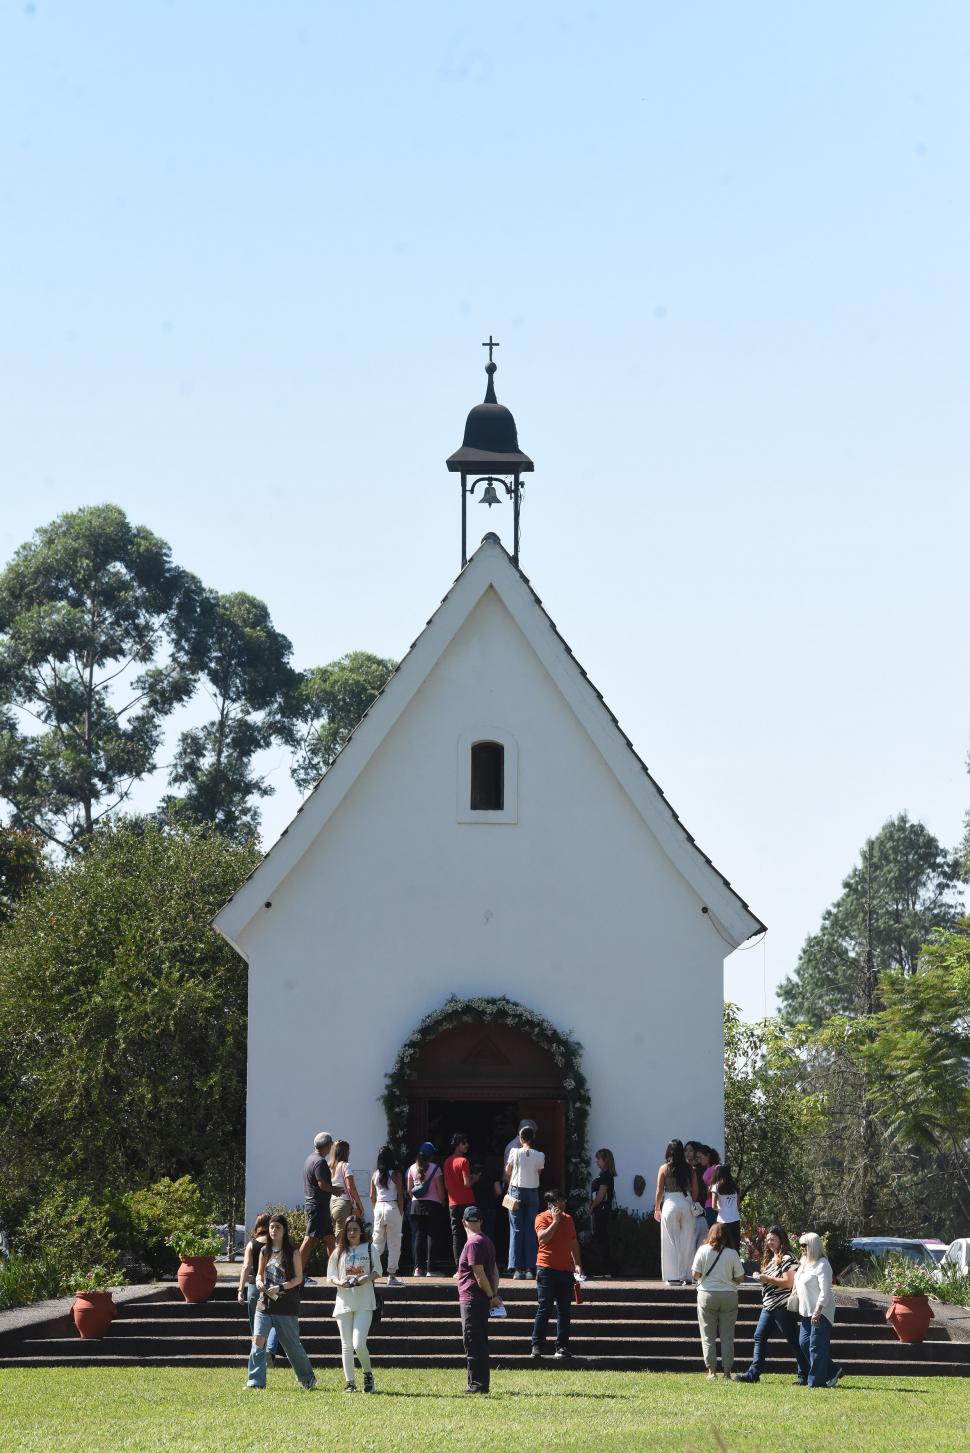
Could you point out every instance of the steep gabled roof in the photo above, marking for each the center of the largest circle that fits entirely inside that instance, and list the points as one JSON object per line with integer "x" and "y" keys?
{"x": 492, "y": 567}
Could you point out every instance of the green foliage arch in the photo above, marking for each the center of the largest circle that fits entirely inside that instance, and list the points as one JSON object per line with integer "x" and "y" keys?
{"x": 566, "y": 1051}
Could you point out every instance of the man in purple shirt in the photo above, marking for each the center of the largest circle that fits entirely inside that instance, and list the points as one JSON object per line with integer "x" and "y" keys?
{"x": 477, "y": 1292}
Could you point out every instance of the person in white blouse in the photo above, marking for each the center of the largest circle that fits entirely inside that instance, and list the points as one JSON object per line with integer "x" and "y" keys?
{"x": 816, "y": 1311}
{"x": 718, "y": 1271}
{"x": 523, "y": 1168}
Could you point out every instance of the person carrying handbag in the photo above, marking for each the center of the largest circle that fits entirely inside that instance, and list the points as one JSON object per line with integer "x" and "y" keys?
{"x": 776, "y": 1279}
{"x": 718, "y": 1271}
{"x": 426, "y": 1188}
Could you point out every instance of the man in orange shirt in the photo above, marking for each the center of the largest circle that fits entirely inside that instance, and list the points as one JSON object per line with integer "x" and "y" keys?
{"x": 557, "y": 1260}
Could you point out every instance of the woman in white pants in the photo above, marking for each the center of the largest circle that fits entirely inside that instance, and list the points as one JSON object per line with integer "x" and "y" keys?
{"x": 676, "y": 1194}
{"x": 353, "y": 1269}
{"x": 387, "y": 1198}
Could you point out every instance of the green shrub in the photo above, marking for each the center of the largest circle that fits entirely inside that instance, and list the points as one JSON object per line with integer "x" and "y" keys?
{"x": 147, "y": 1219}
{"x": 296, "y": 1218}
{"x": 72, "y": 1229}
{"x": 95, "y": 1279}
{"x": 26, "y": 1279}
{"x": 635, "y": 1243}
{"x": 196, "y": 1243}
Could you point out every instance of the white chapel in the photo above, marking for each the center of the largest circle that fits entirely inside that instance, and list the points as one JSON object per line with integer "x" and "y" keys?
{"x": 491, "y": 900}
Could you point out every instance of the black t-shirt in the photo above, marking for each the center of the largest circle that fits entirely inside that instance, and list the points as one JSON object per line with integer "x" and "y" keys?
{"x": 316, "y": 1169}
{"x": 604, "y": 1179}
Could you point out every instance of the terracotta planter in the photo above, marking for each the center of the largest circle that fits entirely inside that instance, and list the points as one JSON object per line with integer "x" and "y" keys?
{"x": 197, "y": 1277}
{"x": 93, "y": 1313}
{"x": 909, "y": 1317}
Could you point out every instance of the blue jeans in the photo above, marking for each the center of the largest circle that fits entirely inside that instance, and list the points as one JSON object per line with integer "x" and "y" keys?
{"x": 523, "y": 1244}
{"x": 815, "y": 1339}
{"x": 787, "y": 1325}
{"x": 252, "y": 1297}
{"x": 288, "y": 1331}
{"x": 554, "y": 1289}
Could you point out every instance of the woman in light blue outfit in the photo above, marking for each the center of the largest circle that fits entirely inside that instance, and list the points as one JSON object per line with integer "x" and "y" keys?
{"x": 279, "y": 1280}
{"x": 522, "y": 1172}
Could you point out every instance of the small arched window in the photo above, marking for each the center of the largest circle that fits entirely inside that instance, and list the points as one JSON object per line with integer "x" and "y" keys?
{"x": 487, "y": 777}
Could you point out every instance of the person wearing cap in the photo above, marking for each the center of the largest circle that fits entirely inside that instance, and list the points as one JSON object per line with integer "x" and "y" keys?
{"x": 426, "y": 1188}
{"x": 317, "y": 1190}
{"x": 559, "y": 1260}
{"x": 477, "y": 1294}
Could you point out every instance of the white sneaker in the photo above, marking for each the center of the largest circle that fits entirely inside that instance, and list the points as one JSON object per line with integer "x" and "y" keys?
{"x": 393, "y": 1281}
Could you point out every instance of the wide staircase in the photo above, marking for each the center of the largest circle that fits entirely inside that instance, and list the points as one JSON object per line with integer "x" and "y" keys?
{"x": 627, "y": 1326}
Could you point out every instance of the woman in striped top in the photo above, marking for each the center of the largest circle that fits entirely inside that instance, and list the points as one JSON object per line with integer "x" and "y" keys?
{"x": 777, "y": 1277}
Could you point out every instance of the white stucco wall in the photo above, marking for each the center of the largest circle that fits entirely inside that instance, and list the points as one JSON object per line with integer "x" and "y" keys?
{"x": 575, "y": 911}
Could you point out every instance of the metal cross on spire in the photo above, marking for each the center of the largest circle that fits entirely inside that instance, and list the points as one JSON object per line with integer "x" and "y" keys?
{"x": 490, "y": 345}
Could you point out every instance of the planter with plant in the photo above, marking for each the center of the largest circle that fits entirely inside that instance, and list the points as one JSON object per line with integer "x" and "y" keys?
{"x": 197, "y": 1252}
{"x": 910, "y": 1286}
{"x": 94, "y": 1307}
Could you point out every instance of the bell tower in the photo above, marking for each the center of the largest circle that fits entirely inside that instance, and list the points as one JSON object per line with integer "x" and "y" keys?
{"x": 490, "y": 456}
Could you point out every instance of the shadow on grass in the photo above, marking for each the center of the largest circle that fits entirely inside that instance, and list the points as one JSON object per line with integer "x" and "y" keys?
{"x": 461, "y": 1395}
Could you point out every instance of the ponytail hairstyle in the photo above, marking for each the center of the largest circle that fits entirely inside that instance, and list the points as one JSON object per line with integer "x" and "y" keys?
{"x": 724, "y": 1181}
{"x": 386, "y": 1163}
{"x": 528, "y": 1135}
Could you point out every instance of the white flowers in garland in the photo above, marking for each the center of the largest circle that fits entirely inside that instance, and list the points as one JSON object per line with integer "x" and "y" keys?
{"x": 566, "y": 1051}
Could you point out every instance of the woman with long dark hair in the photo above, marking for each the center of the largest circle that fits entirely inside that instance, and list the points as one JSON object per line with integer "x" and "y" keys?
{"x": 247, "y": 1272}
{"x": 776, "y": 1278}
{"x": 279, "y": 1280}
{"x": 387, "y": 1198}
{"x": 676, "y": 1195}
{"x": 726, "y": 1198}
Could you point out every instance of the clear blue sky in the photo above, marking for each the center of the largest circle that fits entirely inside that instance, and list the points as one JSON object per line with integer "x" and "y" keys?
{"x": 249, "y": 252}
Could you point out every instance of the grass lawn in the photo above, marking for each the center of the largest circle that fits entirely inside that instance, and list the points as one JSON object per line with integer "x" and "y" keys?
{"x": 58, "y": 1411}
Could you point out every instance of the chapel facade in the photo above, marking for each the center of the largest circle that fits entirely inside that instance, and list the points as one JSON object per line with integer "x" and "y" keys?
{"x": 486, "y": 910}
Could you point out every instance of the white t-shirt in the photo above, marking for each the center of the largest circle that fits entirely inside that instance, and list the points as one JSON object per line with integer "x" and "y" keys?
{"x": 360, "y": 1258}
{"x": 727, "y": 1207}
{"x": 527, "y": 1166}
{"x": 719, "y": 1273}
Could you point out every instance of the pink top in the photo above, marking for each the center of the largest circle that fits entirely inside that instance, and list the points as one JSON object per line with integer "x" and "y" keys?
{"x": 709, "y": 1175}
{"x": 436, "y": 1190}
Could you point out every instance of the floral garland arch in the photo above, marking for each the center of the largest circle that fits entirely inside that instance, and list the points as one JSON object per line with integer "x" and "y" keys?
{"x": 566, "y": 1051}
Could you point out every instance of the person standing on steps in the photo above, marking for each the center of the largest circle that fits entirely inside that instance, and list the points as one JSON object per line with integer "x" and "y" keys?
{"x": 344, "y": 1201}
{"x": 387, "y": 1199}
{"x": 816, "y": 1311}
{"x": 718, "y": 1271}
{"x": 523, "y": 1169}
{"x": 726, "y": 1198}
{"x": 776, "y": 1279}
{"x": 426, "y": 1188}
{"x": 458, "y": 1184}
{"x": 559, "y": 1261}
{"x": 279, "y": 1280}
{"x": 601, "y": 1209}
{"x": 477, "y": 1294}
{"x": 317, "y": 1190}
{"x": 353, "y": 1269}
{"x": 673, "y": 1208}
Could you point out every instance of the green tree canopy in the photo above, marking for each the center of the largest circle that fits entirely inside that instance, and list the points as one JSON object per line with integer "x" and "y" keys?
{"x": 97, "y": 630}
{"x": 124, "y": 1018}
{"x": 904, "y": 887}
{"x": 22, "y": 865}
{"x": 918, "y": 1058}
{"x": 244, "y": 664}
{"x": 333, "y": 700}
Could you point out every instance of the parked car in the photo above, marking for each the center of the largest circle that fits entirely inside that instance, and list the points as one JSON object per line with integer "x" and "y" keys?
{"x": 239, "y": 1242}
{"x": 935, "y": 1247}
{"x": 867, "y": 1249}
{"x": 957, "y": 1256}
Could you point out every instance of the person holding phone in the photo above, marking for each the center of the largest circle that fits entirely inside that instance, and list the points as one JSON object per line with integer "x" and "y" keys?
{"x": 559, "y": 1261}
{"x": 279, "y": 1280}
{"x": 353, "y": 1268}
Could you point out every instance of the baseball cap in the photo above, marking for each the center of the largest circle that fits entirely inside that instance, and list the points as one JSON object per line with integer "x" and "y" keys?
{"x": 471, "y": 1213}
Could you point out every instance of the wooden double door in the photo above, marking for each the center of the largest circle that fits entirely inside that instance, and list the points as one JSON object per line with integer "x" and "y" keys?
{"x": 484, "y": 1080}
